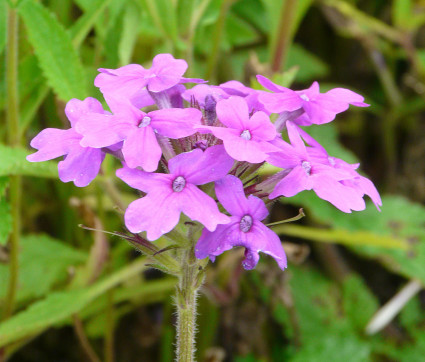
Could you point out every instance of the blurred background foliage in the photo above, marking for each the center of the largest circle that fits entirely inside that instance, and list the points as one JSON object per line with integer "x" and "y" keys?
{"x": 84, "y": 295}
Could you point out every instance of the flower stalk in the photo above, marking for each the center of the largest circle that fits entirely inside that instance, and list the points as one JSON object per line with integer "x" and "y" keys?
{"x": 190, "y": 281}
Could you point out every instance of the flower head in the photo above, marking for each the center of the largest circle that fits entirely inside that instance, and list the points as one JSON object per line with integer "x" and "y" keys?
{"x": 244, "y": 229}
{"x": 170, "y": 194}
{"x": 245, "y": 138}
{"x": 312, "y": 169}
{"x": 81, "y": 164}
{"x": 319, "y": 107}
{"x": 138, "y": 130}
{"x": 131, "y": 80}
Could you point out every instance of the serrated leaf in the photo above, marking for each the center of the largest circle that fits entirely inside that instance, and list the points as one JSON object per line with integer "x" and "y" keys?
{"x": 53, "y": 47}
{"x": 43, "y": 263}
{"x": 13, "y": 162}
{"x": 61, "y": 305}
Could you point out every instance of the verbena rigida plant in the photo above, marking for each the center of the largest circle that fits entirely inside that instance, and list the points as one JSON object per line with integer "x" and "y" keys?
{"x": 197, "y": 152}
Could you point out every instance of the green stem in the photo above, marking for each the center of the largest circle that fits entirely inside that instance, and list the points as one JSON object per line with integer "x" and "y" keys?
{"x": 186, "y": 295}
{"x": 218, "y": 32}
{"x": 12, "y": 112}
{"x": 283, "y": 35}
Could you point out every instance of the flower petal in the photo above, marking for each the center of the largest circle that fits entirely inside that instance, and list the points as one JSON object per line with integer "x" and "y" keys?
{"x": 81, "y": 166}
{"x": 53, "y": 142}
{"x": 293, "y": 183}
{"x": 200, "y": 167}
{"x": 230, "y": 193}
{"x": 197, "y": 205}
{"x": 233, "y": 113}
{"x": 145, "y": 181}
{"x": 141, "y": 148}
{"x": 154, "y": 213}
{"x": 175, "y": 122}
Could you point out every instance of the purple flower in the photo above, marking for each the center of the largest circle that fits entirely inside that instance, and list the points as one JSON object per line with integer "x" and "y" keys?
{"x": 245, "y": 227}
{"x": 319, "y": 107}
{"x": 138, "y": 130}
{"x": 81, "y": 164}
{"x": 245, "y": 138}
{"x": 360, "y": 184}
{"x": 170, "y": 194}
{"x": 310, "y": 169}
{"x": 202, "y": 92}
{"x": 130, "y": 80}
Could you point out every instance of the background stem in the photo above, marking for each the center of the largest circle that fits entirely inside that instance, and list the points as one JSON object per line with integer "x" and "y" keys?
{"x": 283, "y": 36}
{"x": 12, "y": 114}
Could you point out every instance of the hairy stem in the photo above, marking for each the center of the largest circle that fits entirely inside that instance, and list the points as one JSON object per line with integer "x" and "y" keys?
{"x": 187, "y": 289}
{"x": 12, "y": 112}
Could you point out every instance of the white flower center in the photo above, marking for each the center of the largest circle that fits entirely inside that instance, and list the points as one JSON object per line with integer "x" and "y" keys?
{"x": 179, "y": 183}
{"x": 304, "y": 97}
{"x": 146, "y": 121}
{"x": 245, "y": 223}
{"x": 307, "y": 167}
{"x": 246, "y": 135}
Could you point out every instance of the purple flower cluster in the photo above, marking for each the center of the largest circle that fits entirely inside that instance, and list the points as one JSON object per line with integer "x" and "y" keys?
{"x": 198, "y": 152}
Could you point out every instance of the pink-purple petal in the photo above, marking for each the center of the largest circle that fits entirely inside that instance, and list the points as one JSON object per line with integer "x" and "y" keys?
{"x": 52, "y": 143}
{"x": 145, "y": 181}
{"x": 229, "y": 191}
{"x": 175, "y": 122}
{"x": 233, "y": 112}
{"x": 141, "y": 148}
{"x": 81, "y": 166}
{"x": 293, "y": 183}
{"x": 152, "y": 214}
{"x": 197, "y": 205}
{"x": 201, "y": 167}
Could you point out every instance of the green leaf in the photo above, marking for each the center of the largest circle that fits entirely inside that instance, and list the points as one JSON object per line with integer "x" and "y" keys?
{"x": 43, "y": 263}
{"x": 83, "y": 25}
{"x": 310, "y": 66}
{"x": 163, "y": 14}
{"x": 325, "y": 332}
{"x": 238, "y": 31}
{"x": 61, "y": 305}
{"x": 129, "y": 34}
{"x": 358, "y": 301}
{"x": 13, "y": 162}
{"x": 402, "y": 13}
{"x": 53, "y": 48}
{"x": 400, "y": 219}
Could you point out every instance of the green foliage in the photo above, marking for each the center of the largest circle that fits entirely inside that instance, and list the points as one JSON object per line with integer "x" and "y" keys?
{"x": 43, "y": 263}
{"x": 14, "y": 163}
{"x": 58, "y": 306}
{"x": 56, "y": 55}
